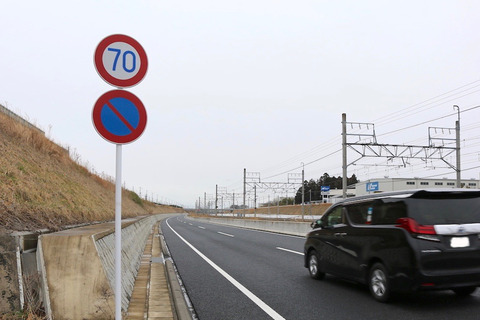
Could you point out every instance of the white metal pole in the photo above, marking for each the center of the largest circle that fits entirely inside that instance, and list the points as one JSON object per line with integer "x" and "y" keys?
{"x": 303, "y": 191}
{"x": 118, "y": 234}
{"x": 457, "y": 138}
{"x": 344, "y": 155}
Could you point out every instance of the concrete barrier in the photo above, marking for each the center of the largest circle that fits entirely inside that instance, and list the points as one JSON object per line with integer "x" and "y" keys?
{"x": 9, "y": 279}
{"x": 77, "y": 268}
{"x": 134, "y": 238}
{"x": 285, "y": 227}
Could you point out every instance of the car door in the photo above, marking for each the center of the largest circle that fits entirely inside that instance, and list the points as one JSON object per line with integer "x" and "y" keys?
{"x": 331, "y": 242}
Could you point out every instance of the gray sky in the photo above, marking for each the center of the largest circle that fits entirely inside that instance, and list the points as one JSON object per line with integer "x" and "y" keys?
{"x": 248, "y": 84}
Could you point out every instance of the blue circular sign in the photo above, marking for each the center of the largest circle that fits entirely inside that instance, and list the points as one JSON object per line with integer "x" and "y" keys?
{"x": 119, "y": 116}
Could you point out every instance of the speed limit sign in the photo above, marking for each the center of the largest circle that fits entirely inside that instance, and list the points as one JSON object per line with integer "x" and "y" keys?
{"x": 121, "y": 61}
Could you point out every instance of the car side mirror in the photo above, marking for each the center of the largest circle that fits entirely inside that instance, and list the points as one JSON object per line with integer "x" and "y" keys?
{"x": 316, "y": 224}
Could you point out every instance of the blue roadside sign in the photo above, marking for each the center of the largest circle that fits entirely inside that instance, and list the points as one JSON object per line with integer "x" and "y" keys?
{"x": 372, "y": 186}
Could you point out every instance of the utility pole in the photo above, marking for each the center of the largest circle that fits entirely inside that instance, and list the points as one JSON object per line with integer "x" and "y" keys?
{"x": 374, "y": 149}
{"x": 457, "y": 138}
{"x": 303, "y": 190}
{"x": 205, "y": 201}
{"x": 244, "y": 188}
{"x": 216, "y": 199}
{"x": 255, "y": 201}
{"x": 344, "y": 154}
{"x": 268, "y": 204}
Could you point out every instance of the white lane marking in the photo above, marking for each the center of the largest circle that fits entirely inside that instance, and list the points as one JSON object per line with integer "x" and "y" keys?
{"x": 272, "y": 313}
{"x": 225, "y": 234}
{"x": 201, "y": 227}
{"x": 292, "y": 251}
{"x": 190, "y": 224}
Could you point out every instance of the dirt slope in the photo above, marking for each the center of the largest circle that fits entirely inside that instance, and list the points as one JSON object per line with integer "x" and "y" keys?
{"x": 41, "y": 187}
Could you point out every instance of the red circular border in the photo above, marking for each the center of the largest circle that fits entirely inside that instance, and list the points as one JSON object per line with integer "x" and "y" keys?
{"x": 104, "y": 73}
{"x": 97, "y": 120}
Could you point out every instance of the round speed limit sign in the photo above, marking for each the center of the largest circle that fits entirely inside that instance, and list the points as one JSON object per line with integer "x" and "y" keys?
{"x": 121, "y": 61}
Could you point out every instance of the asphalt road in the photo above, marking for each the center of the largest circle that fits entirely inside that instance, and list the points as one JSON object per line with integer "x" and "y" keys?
{"x": 232, "y": 273}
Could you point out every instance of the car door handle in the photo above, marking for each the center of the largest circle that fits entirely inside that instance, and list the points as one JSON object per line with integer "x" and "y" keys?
{"x": 340, "y": 234}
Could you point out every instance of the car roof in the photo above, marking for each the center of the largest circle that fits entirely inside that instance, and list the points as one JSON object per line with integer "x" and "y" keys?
{"x": 412, "y": 193}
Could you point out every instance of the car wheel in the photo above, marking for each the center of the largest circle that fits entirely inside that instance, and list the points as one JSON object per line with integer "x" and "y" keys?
{"x": 379, "y": 283}
{"x": 464, "y": 291}
{"x": 314, "y": 266}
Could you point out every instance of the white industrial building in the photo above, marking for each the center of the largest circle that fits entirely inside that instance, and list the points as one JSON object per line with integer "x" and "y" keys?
{"x": 396, "y": 184}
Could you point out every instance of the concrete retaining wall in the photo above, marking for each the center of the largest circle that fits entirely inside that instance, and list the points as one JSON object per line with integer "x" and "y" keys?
{"x": 286, "y": 227}
{"x": 9, "y": 288}
{"x": 315, "y": 209}
{"x": 134, "y": 238}
{"x": 78, "y": 268}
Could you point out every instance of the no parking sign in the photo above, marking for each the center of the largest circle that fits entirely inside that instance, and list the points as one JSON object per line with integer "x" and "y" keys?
{"x": 119, "y": 116}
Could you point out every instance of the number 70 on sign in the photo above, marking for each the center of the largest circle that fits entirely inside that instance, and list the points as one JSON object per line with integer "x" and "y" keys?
{"x": 126, "y": 54}
{"x": 121, "y": 61}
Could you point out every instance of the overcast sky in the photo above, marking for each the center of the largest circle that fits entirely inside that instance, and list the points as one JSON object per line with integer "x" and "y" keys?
{"x": 257, "y": 84}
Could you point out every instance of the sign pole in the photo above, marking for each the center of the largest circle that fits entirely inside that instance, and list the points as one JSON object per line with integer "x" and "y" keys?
{"x": 119, "y": 117}
{"x": 118, "y": 233}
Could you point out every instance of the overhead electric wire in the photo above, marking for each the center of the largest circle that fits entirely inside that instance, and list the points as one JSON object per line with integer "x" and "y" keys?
{"x": 306, "y": 164}
{"x": 423, "y": 106}
{"x": 419, "y": 111}
{"x": 428, "y": 121}
{"x": 401, "y": 129}
{"x": 425, "y": 101}
{"x": 297, "y": 158}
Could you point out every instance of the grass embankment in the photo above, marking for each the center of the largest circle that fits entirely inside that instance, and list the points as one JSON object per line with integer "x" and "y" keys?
{"x": 42, "y": 187}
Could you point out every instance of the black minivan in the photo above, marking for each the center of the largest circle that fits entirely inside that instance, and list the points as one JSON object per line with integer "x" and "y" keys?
{"x": 400, "y": 241}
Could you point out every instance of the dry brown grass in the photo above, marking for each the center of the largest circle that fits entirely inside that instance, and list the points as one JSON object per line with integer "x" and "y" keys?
{"x": 42, "y": 187}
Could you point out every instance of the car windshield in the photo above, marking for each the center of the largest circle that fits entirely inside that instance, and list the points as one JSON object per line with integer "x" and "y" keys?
{"x": 445, "y": 209}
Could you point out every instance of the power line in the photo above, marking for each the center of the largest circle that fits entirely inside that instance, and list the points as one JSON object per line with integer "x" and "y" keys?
{"x": 424, "y": 105}
{"x": 428, "y": 121}
{"x": 306, "y": 164}
{"x": 425, "y": 101}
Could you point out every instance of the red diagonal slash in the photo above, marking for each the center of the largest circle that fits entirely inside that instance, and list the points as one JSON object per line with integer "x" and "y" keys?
{"x": 119, "y": 115}
{"x": 105, "y": 101}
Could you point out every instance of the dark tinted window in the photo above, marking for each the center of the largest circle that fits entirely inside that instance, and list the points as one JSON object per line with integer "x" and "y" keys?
{"x": 357, "y": 213}
{"x": 448, "y": 208}
{"x": 389, "y": 212}
{"x": 377, "y": 212}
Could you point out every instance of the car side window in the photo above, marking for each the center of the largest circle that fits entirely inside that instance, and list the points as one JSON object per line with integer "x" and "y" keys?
{"x": 335, "y": 217}
{"x": 360, "y": 213}
{"x": 376, "y": 212}
{"x": 389, "y": 212}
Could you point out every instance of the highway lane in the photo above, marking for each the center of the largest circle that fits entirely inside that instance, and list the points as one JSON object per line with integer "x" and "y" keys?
{"x": 233, "y": 273}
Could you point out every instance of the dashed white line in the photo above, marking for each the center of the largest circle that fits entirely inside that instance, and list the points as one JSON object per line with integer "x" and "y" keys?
{"x": 291, "y": 251}
{"x": 201, "y": 227}
{"x": 266, "y": 308}
{"x": 226, "y": 234}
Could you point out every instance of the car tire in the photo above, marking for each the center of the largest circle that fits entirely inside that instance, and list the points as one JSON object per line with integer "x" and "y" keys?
{"x": 378, "y": 283}
{"x": 314, "y": 266}
{"x": 464, "y": 291}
